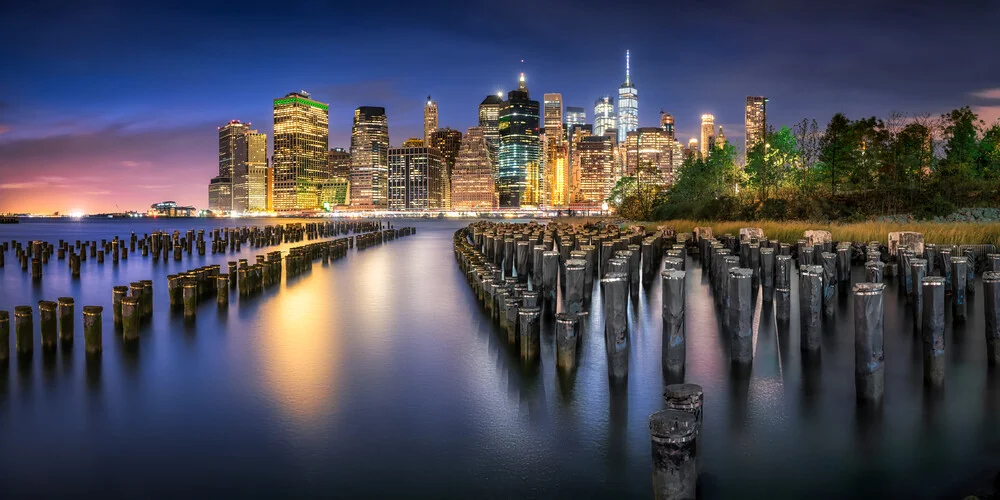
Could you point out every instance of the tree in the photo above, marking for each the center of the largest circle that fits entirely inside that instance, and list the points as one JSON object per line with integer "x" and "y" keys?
{"x": 807, "y": 144}
{"x": 957, "y": 168}
{"x": 836, "y": 149}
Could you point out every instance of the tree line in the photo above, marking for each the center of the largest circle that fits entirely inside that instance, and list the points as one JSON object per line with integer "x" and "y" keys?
{"x": 852, "y": 170}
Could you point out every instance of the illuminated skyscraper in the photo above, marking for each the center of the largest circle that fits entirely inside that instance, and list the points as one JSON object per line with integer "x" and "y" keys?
{"x": 604, "y": 115}
{"x": 415, "y": 178}
{"x": 596, "y": 170}
{"x": 489, "y": 117}
{"x": 720, "y": 138}
{"x": 555, "y": 165}
{"x": 553, "y": 106}
{"x": 628, "y": 104}
{"x": 707, "y": 134}
{"x": 692, "y": 147}
{"x": 447, "y": 141}
{"x": 339, "y": 163}
{"x": 667, "y": 123}
{"x": 369, "y": 157}
{"x": 756, "y": 120}
{"x": 232, "y": 151}
{"x": 250, "y": 173}
{"x": 301, "y": 144}
{"x": 649, "y": 147}
{"x": 472, "y": 187}
{"x": 430, "y": 119}
{"x": 576, "y": 133}
{"x": 575, "y": 116}
{"x": 518, "y": 173}
{"x": 220, "y": 194}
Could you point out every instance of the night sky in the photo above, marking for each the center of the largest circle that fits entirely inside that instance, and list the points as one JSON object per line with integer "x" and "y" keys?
{"x": 110, "y": 106}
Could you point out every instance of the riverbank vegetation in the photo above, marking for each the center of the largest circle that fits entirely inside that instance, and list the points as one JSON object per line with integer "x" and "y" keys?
{"x": 851, "y": 171}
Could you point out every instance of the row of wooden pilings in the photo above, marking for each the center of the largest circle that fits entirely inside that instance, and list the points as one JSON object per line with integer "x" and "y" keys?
{"x": 34, "y": 254}
{"x": 496, "y": 263}
{"x": 132, "y": 305}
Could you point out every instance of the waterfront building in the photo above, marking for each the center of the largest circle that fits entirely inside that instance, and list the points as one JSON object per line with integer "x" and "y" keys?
{"x": 334, "y": 192}
{"x": 220, "y": 194}
{"x": 604, "y": 115}
{"x": 518, "y": 173}
{"x": 472, "y": 186}
{"x": 628, "y": 104}
{"x": 707, "y": 134}
{"x": 447, "y": 141}
{"x": 414, "y": 180}
{"x": 369, "y": 157}
{"x": 756, "y": 121}
{"x": 170, "y": 209}
{"x": 301, "y": 145}
{"x": 430, "y": 119}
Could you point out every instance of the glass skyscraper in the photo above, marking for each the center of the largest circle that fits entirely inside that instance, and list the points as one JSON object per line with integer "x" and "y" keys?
{"x": 518, "y": 173}
{"x": 369, "y": 157}
{"x": 575, "y": 116}
{"x": 756, "y": 120}
{"x": 604, "y": 115}
{"x": 301, "y": 143}
{"x": 628, "y": 104}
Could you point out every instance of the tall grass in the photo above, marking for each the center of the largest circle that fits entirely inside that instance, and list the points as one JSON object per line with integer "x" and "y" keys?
{"x": 953, "y": 233}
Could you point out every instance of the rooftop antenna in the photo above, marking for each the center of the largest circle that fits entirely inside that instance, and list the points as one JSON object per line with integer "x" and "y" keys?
{"x": 627, "y": 69}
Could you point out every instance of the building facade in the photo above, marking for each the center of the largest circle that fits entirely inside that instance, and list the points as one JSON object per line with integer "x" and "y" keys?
{"x": 596, "y": 170}
{"x": 339, "y": 163}
{"x": 472, "y": 186}
{"x": 652, "y": 148}
{"x": 518, "y": 173}
{"x": 667, "y": 123}
{"x": 489, "y": 120}
{"x": 628, "y": 104}
{"x": 415, "y": 178}
{"x": 369, "y": 157}
{"x": 301, "y": 145}
{"x": 575, "y": 134}
{"x": 430, "y": 119}
{"x": 575, "y": 116}
{"x": 220, "y": 194}
{"x": 448, "y": 141}
{"x": 756, "y": 121}
{"x": 250, "y": 174}
{"x": 707, "y": 134}
{"x": 604, "y": 115}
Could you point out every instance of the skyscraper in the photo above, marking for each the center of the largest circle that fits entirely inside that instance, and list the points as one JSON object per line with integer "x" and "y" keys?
{"x": 232, "y": 151}
{"x": 556, "y": 167}
{"x": 430, "y": 119}
{"x": 489, "y": 117}
{"x": 720, "y": 138}
{"x": 649, "y": 147}
{"x": 756, "y": 120}
{"x": 596, "y": 170}
{"x": 604, "y": 115}
{"x": 575, "y": 134}
{"x": 575, "y": 116}
{"x": 628, "y": 104}
{"x": 369, "y": 157}
{"x": 553, "y": 106}
{"x": 415, "y": 178}
{"x": 707, "y": 134}
{"x": 447, "y": 141}
{"x": 667, "y": 123}
{"x": 301, "y": 144}
{"x": 692, "y": 148}
{"x": 472, "y": 187}
{"x": 250, "y": 173}
{"x": 339, "y": 163}
{"x": 518, "y": 175}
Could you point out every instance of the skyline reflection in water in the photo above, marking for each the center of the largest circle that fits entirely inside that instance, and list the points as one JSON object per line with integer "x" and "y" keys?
{"x": 378, "y": 375}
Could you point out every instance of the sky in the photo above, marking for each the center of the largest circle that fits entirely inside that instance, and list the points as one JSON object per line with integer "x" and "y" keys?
{"x": 108, "y": 106}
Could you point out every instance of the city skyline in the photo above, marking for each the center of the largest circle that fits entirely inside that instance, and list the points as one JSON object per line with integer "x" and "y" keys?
{"x": 150, "y": 126}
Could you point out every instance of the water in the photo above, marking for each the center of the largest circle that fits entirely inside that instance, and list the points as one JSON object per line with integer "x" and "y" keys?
{"x": 379, "y": 376}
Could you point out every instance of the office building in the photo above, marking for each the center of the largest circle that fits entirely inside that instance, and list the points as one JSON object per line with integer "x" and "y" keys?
{"x": 369, "y": 157}
{"x": 720, "y": 139}
{"x": 604, "y": 115}
{"x": 575, "y": 116}
{"x": 472, "y": 186}
{"x": 649, "y": 148}
{"x": 707, "y": 134}
{"x": 250, "y": 173}
{"x": 301, "y": 145}
{"x": 596, "y": 170}
{"x": 415, "y": 178}
{"x": 518, "y": 173}
{"x": 756, "y": 121}
{"x": 489, "y": 119}
{"x": 628, "y": 104}
{"x": 220, "y": 194}
{"x": 430, "y": 119}
{"x": 447, "y": 141}
{"x": 339, "y": 163}
{"x": 575, "y": 134}
{"x": 667, "y": 123}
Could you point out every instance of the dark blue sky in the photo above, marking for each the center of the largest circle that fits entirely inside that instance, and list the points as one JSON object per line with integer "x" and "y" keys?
{"x": 135, "y": 91}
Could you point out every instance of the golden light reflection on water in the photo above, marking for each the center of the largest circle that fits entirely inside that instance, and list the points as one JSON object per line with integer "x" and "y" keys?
{"x": 300, "y": 351}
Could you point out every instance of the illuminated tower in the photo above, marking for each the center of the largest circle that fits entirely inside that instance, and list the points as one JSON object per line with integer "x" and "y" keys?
{"x": 489, "y": 116}
{"x": 301, "y": 144}
{"x": 518, "y": 175}
{"x": 756, "y": 120}
{"x": 369, "y": 157}
{"x": 720, "y": 139}
{"x": 604, "y": 115}
{"x": 414, "y": 177}
{"x": 472, "y": 187}
{"x": 596, "y": 170}
{"x": 556, "y": 165}
{"x": 575, "y": 134}
{"x": 430, "y": 119}
{"x": 707, "y": 134}
{"x": 649, "y": 147}
{"x": 575, "y": 116}
{"x": 628, "y": 104}
{"x": 692, "y": 147}
{"x": 232, "y": 151}
{"x": 250, "y": 173}
{"x": 667, "y": 123}
{"x": 339, "y": 163}
{"x": 447, "y": 141}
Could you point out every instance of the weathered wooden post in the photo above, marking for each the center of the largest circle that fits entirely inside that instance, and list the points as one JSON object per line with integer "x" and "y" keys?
{"x": 575, "y": 277}
{"x": 567, "y": 338}
{"x": 782, "y": 287}
{"x": 766, "y": 273}
{"x": 932, "y": 317}
{"x": 869, "y": 353}
{"x": 741, "y": 315}
{"x": 958, "y": 277}
{"x": 993, "y": 262}
{"x": 688, "y": 398}
{"x": 674, "y": 436}
{"x": 829, "y": 260}
{"x": 24, "y": 328}
{"x": 36, "y": 269}
{"x": 4, "y": 334}
{"x": 48, "y": 323}
{"x": 616, "y": 324}
{"x": 944, "y": 263}
{"x": 131, "y": 317}
{"x": 190, "y": 293}
{"x": 510, "y": 322}
{"x": 811, "y": 295}
{"x": 970, "y": 271}
{"x": 844, "y": 266}
{"x": 529, "y": 326}
{"x": 521, "y": 261}
{"x": 146, "y": 298}
{"x": 92, "y": 329}
{"x": 874, "y": 270}
{"x": 918, "y": 270}
{"x": 222, "y": 289}
{"x": 550, "y": 275}
{"x": 66, "y": 306}
{"x": 991, "y": 291}
{"x": 673, "y": 348}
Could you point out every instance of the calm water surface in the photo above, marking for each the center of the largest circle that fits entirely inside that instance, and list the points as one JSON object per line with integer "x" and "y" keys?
{"x": 379, "y": 376}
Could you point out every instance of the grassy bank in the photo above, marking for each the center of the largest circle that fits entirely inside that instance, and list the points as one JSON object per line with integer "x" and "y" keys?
{"x": 790, "y": 231}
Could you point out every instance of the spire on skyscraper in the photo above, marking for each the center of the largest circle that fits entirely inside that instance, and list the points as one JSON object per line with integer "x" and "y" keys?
{"x": 521, "y": 85}
{"x": 627, "y": 68}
